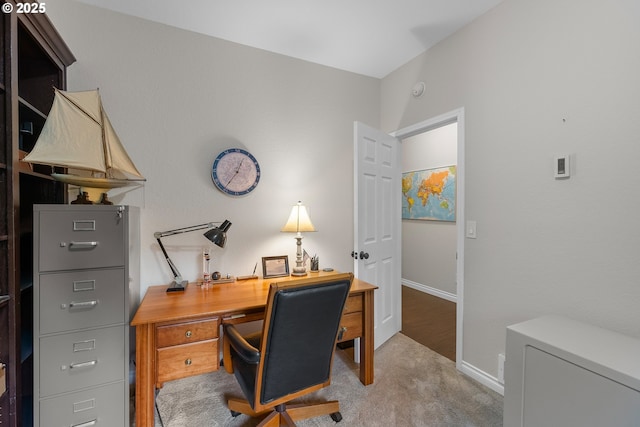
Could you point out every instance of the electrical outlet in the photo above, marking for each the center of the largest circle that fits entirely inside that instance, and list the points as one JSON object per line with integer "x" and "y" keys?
{"x": 501, "y": 368}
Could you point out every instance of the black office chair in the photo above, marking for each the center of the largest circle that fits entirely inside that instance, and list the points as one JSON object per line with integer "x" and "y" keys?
{"x": 293, "y": 355}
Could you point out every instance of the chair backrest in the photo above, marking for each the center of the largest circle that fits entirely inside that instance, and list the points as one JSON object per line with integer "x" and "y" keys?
{"x": 299, "y": 335}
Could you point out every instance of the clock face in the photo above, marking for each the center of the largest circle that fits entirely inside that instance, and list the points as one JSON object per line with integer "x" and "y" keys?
{"x": 235, "y": 172}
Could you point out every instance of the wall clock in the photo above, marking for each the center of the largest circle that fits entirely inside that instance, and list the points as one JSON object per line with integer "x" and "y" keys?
{"x": 235, "y": 172}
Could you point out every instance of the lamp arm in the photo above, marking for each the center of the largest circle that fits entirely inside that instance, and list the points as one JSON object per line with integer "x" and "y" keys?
{"x": 172, "y": 266}
{"x": 159, "y": 234}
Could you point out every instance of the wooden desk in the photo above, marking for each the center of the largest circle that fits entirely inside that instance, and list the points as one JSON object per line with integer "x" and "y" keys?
{"x": 177, "y": 332}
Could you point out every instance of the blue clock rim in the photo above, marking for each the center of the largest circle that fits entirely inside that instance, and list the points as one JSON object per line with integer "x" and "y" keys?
{"x": 217, "y": 182}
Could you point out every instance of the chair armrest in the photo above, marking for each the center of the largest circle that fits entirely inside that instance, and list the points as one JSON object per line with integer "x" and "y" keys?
{"x": 246, "y": 351}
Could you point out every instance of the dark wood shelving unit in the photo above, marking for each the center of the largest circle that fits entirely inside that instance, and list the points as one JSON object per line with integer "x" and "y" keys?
{"x": 33, "y": 60}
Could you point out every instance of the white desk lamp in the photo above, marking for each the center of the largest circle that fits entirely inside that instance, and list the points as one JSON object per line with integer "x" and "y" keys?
{"x": 298, "y": 222}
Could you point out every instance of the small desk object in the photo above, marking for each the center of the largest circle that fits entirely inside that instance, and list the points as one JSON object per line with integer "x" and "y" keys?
{"x": 177, "y": 334}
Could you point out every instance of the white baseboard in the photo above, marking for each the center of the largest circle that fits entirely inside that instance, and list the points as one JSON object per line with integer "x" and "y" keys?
{"x": 429, "y": 290}
{"x": 482, "y": 377}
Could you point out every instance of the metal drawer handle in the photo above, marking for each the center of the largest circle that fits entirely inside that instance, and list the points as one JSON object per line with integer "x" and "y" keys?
{"x": 87, "y": 424}
{"x": 188, "y": 334}
{"x": 83, "y": 304}
{"x": 341, "y": 332}
{"x": 84, "y": 364}
{"x": 187, "y": 362}
{"x": 82, "y": 245}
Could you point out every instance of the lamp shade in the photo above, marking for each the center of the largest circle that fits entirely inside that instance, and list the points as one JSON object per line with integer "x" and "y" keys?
{"x": 299, "y": 220}
{"x": 218, "y": 235}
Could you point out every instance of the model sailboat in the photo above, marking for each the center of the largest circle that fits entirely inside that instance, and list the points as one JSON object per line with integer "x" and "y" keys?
{"x": 78, "y": 135}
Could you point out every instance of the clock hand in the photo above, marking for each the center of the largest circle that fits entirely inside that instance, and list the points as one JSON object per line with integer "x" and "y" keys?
{"x": 237, "y": 170}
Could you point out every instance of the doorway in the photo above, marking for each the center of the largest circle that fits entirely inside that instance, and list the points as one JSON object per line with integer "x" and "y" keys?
{"x": 437, "y": 292}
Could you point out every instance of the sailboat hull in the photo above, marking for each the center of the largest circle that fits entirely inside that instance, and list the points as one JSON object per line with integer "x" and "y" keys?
{"x": 86, "y": 181}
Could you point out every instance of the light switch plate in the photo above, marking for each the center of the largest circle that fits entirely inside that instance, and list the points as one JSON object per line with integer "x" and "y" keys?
{"x": 561, "y": 167}
{"x": 471, "y": 230}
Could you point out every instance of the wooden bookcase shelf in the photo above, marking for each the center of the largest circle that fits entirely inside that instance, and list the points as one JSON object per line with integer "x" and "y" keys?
{"x": 33, "y": 60}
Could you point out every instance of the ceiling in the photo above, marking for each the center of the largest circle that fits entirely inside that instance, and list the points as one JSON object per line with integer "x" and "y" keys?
{"x": 369, "y": 37}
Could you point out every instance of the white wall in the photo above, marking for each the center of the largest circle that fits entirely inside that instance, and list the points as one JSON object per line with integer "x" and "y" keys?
{"x": 429, "y": 247}
{"x": 535, "y": 78}
{"x": 177, "y": 99}
{"x": 538, "y": 78}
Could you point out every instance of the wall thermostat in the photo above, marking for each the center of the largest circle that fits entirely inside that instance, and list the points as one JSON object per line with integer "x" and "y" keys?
{"x": 561, "y": 167}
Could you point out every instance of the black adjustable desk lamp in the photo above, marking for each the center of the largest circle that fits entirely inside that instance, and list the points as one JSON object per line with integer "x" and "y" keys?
{"x": 217, "y": 235}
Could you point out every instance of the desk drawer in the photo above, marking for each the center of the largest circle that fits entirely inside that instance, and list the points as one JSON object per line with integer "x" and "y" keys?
{"x": 81, "y": 299}
{"x": 185, "y": 360}
{"x": 351, "y": 325}
{"x": 354, "y": 303}
{"x": 102, "y": 406}
{"x": 187, "y": 332}
{"x": 82, "y": 359}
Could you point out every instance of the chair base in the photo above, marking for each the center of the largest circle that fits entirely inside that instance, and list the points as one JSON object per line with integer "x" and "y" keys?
{"x": 286, "y": 415}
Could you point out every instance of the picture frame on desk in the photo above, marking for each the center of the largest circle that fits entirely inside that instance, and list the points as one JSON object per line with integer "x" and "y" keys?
{"x": 275, "y": 266}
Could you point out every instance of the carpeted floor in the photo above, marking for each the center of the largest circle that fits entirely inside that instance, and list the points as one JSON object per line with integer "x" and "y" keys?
{"x": 413, "y": 386}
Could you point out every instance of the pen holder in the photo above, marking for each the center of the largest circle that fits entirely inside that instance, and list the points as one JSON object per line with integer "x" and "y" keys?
{"x": 315, "y": 262}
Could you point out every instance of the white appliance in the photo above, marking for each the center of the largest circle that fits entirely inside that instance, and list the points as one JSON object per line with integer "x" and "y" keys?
{"x": 561, "y": 372}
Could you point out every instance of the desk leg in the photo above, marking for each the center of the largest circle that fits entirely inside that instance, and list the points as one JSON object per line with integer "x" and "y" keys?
{"x": 145, "y": 385}
{"x": 366, "y": 341}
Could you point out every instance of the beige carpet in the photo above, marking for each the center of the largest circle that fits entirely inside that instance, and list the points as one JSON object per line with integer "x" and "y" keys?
{"x": 413, "y": 386}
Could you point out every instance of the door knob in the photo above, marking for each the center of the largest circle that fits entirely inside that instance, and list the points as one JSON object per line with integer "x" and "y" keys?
{"x": 364, "y": 255}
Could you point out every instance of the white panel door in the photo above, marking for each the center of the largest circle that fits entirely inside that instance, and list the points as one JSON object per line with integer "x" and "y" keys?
{"x": 377, "y": 228}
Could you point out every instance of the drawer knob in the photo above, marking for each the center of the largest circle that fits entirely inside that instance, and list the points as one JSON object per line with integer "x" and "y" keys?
{"x": 341, "y": 333}
{"x": 187, "y": 362}
{"x": 188, "y": 334}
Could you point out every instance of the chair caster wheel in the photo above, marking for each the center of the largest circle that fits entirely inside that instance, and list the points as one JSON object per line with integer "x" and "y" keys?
{"x": 336, "y": 416}
{"x": 234, "y": 413}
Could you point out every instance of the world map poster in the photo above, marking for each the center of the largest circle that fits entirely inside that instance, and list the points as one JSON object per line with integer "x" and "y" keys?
{"x": 429, "y": 194}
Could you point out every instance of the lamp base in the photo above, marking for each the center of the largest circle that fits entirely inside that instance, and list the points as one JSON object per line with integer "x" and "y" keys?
{"x": 177, "y": 287}
{"x": 298, "y": 273}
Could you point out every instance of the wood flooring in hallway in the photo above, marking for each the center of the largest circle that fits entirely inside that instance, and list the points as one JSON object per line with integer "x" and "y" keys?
{"x": 429, "y": 320}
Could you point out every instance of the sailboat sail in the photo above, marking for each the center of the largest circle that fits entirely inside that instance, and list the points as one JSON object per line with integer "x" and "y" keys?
{"x": 78, "y": 135}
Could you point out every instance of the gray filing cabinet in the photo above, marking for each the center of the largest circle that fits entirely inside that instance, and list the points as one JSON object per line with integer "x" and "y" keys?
{"x": 86, "y": 288}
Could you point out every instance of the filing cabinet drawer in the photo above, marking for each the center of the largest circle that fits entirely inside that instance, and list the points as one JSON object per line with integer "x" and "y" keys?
{"x": 185, "y": 360}
{"x": 81, "y": 299}
{"x": 354, "y": 303}
{"x": 351, "y": 325}
{"x": 72, "y": 240}
{"x": 81, "y": 359}
{"x": 187, "y": 332}
{"x": 103, "y": 406}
